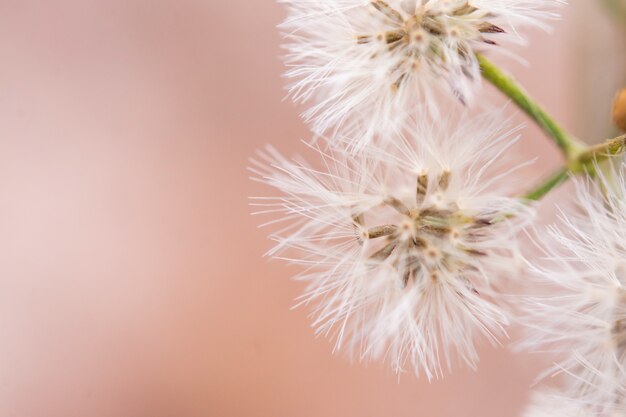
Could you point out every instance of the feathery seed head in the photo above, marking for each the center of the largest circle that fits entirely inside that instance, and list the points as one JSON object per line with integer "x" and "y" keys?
{"x": 367, "y": 65}
{"x": 584, "y": 318}
{"x": 400, "y": 245}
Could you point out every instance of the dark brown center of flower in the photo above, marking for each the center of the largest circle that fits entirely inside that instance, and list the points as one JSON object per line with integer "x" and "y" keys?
{"x": 422, "y": 31}
{"x": 428, "y": 238}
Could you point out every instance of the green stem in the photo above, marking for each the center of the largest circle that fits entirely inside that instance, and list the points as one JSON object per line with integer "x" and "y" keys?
{"x": 507, "y": 85}
{"x": 556, "y": 179}
{"x": 585, "y": 163}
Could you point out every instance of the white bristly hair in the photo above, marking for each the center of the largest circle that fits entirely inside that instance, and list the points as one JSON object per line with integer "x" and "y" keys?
{"x": 364, "y": 66}
{"x": 582, "y": 316}
{"x": 401, "y": 245}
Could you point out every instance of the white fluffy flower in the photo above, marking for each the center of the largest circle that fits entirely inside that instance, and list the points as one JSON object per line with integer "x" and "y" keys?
{"x": 401, "y": 246}
{"x": 582, "y": 318}
{"x": 364, "y": 66}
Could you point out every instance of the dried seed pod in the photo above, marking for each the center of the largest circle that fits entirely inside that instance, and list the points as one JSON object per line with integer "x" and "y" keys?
{"x": 619, "y": 110}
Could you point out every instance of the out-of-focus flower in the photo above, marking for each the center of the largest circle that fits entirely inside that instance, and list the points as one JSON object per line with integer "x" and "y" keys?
{"x": 401, "y": 245}
{"x": 364, "y": 66}
{"x": 550, "y": 403}
{"x": 582, "y": 317}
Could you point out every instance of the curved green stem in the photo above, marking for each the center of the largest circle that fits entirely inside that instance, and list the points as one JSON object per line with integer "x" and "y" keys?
{"x": 507, "y": 85}
{"x": 556, "y": 179}
{"x": 580, "y": 159}
{"x": 585, "y": 163}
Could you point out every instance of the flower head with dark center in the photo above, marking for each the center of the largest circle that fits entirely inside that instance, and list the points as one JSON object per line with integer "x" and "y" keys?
{"x": 401, "y": 245}
{"x": 365, "y": 66}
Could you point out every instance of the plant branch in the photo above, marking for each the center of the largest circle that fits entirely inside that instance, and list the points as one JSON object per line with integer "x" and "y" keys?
{"x": 556, "y": 179}
{"x": 585, "y": 163}
{"x": 509, "y": 87}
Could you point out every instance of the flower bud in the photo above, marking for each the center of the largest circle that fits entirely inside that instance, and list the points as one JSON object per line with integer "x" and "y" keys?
{"x": 619, "y": 110}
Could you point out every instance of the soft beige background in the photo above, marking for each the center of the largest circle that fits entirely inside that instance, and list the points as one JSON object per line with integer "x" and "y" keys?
{"x": 131, "y": 277}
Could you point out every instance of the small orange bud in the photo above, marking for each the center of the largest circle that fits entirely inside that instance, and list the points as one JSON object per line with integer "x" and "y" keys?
{"x": 619, "y": 110}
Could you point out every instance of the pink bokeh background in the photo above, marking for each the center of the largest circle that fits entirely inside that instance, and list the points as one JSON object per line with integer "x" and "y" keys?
{"x": 131, "y": 276}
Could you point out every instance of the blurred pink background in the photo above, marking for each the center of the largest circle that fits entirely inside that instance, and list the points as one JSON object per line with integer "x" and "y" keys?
{"x": 131, "y": 276}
